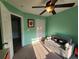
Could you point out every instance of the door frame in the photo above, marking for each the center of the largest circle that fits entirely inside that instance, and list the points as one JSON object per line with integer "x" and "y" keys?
{"x": 22, "y": 28}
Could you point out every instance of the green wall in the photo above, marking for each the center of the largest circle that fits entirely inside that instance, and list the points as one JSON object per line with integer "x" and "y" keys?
{"x": 65, "y": 22}
{"x": 28, "y": 34}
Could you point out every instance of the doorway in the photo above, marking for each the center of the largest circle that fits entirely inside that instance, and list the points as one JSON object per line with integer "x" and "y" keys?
{"x": 16, "y": 32}
{"x": 1, "y": 46}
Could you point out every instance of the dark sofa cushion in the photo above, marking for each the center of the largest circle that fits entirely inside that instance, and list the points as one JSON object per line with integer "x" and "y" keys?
{"x": 64, "y": 36}
{"x": 62, "y": 42}
{"x": 58, "y": 39}
{"x": 55, "y": 38}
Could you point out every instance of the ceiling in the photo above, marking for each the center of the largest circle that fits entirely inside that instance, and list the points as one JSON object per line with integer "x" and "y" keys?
{"x": 26, "y": 5}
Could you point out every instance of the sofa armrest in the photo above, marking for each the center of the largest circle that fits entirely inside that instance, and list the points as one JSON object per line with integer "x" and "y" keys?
{"x": 69, "y": 51}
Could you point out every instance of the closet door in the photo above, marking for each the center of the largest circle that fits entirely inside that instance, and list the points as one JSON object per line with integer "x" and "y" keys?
{"x": 6, "y": 29}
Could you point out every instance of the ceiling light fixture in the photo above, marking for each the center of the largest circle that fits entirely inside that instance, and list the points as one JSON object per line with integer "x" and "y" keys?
{"x": 49, "y": 9}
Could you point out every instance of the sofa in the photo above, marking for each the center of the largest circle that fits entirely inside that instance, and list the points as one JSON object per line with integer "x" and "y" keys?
{"x": 60, "y": 46}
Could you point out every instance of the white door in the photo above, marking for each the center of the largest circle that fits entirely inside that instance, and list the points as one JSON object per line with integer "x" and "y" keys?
{"x": 40, "y": 28}
{"x": 6, "y": 28}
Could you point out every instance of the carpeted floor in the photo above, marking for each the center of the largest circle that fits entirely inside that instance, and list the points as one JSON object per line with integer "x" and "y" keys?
{"x": 35, "y": 51}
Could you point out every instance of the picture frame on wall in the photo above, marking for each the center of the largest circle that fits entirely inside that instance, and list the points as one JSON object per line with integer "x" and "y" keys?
{"x": 30, "y": 23}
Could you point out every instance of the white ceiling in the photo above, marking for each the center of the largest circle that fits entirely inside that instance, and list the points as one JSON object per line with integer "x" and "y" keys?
{"x": 26, "y": 5}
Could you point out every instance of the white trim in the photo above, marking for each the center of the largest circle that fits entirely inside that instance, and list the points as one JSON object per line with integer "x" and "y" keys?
{"x": 16, "y": 14}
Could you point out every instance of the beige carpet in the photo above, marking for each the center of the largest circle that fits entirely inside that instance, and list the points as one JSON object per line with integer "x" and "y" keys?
{"x": 35, "y": 51}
